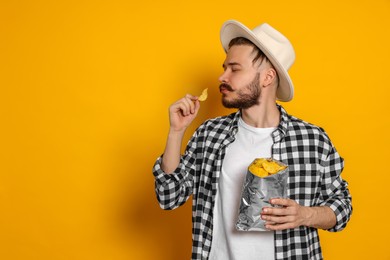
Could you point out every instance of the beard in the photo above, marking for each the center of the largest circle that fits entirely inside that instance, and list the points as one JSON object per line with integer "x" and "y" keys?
{"x": 247, "y": 97}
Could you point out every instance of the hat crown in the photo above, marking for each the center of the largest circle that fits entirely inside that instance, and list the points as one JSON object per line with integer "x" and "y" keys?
{"x": 278, "y": 45}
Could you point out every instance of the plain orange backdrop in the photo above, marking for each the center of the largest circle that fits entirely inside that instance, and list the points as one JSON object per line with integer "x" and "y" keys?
{"x": 85, "y": 90}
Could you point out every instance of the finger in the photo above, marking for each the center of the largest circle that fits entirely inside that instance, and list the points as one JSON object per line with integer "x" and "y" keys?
{"x": 270, "y": 223}
{"x": 191, "y": 97}
{"x": 277, "y": 227}
{"x": 190, "y": 104}
{"x": 275, "y": 211}
{"x": 197, "y": 106}
{"x": 282, "y": 202}
{"x": 277, "y": 219}
{"x": 182, "y": 107}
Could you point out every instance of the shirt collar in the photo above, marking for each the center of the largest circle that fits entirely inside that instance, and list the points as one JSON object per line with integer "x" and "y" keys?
{"x": 234, "y": 123}
{"x": 277, "y": 135}
{"x": 284, "y": 119}
{"x": 282, "y": 129}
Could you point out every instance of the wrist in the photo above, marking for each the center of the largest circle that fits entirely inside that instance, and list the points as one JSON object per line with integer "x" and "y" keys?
{"x": 319, "y": 217}
{"x": 178, "y": 133}
{"x": 309, "y": 215}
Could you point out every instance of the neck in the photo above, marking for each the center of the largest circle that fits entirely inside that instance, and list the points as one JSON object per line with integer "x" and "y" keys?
{"x": 264, "y": 115}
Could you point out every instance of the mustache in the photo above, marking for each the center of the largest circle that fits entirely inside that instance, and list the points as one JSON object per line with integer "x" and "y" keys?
{"x": 225, "y": 86}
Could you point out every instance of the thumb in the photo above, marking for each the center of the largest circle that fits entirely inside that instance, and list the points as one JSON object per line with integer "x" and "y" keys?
{"x": 197, "y": 106}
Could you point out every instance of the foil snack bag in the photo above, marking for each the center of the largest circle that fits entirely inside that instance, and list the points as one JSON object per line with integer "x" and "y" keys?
{"x": 266, "y": 178}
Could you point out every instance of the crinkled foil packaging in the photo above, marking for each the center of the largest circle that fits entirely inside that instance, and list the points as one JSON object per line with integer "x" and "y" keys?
{"x": 256, "y": 194}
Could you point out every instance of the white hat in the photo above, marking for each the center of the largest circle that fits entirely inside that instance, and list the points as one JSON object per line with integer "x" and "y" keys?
{"x": 273, "y": 44}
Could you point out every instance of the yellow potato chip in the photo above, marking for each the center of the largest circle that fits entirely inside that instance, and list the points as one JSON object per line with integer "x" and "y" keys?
{"x": 254, "y": 169}
{"x": 203, "y": 96}
{"x": 263, "y": 167}
{"x": 259, "y": 162}
{"x": 272, "y": 167}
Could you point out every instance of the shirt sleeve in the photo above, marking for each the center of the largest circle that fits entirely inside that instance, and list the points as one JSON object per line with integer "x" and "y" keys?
{"x": 334, "y": 190}
{"x": 174, "y": 189}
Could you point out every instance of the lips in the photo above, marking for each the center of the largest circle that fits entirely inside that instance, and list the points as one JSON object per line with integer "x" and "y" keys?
{"x": 224, "y": 88}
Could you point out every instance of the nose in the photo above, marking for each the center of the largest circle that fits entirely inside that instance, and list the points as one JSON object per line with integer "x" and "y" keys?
{"x": 223, "y": 78}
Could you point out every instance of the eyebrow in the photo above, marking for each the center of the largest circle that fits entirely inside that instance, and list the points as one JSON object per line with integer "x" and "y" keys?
{"x": 231, "y": 64}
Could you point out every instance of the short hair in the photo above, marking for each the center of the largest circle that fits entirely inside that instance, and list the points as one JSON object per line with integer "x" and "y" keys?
{"x": 259, "y": 53}
{"x": 245, "y": 41}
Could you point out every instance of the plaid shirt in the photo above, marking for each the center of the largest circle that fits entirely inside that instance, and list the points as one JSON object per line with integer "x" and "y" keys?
{"x": 314, "y": 180}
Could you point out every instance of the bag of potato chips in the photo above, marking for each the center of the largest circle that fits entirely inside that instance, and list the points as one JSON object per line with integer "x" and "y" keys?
{"x": 266, "y": 178}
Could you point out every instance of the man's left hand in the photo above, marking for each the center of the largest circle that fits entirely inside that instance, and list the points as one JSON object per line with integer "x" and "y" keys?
{"x": 289, "y": 215}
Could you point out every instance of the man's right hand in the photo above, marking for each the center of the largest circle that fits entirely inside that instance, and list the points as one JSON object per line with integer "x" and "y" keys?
{"x": 183, "y": 112}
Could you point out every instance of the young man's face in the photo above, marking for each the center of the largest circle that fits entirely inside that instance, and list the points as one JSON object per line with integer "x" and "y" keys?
{"x": 240, "y": 82}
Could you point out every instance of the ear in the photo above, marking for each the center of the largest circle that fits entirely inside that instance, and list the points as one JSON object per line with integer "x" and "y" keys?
{"x": 269, "y": 77}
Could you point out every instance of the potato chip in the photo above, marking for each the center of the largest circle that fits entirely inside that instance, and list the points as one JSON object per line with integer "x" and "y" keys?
{"x": 263, "y": 167}
{"x": 272, "y": 167}
{"x": 258, "y": 171}
{"x": 258, "y": 162}
{"x": 203, "y": 96}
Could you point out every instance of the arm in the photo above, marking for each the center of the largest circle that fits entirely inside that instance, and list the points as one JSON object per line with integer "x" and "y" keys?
{"x": 181, "y": 114}
{"x": 293, "y": 215}
{"x": 174, "y": 173}
{"x": 334, "y": 190}
{"x": 333, "y": 211}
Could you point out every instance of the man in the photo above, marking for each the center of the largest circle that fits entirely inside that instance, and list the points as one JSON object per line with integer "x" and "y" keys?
{"x": 215, "y": 163}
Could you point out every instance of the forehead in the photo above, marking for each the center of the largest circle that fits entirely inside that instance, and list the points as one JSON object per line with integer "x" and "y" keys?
{"x": 242, "y": 54}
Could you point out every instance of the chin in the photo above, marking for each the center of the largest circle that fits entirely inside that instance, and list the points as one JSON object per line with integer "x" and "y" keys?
{"x": 228, "y": 104}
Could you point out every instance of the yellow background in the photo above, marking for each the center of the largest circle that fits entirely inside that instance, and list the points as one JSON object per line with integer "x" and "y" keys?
{"x": 85, "y": 90}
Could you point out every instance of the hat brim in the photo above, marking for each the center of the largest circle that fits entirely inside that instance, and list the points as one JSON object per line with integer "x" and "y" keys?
{"x": 233, "y": 29}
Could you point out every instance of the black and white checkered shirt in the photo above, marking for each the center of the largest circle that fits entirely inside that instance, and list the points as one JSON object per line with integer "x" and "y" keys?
{"x": 314, "y": 180}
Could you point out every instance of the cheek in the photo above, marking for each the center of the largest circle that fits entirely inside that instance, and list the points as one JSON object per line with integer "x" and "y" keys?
{"x": 238, "y": 78}
{"x": 240, "y": 82}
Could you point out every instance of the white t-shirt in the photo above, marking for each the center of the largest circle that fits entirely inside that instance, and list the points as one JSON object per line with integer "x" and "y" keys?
{"x": 228, "y": 243}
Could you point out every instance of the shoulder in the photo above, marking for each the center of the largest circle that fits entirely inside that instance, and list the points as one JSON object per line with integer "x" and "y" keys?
{"x": 308, "y": 132}
{"x": 297, "y": 124}
{"x": 297, "y": 128}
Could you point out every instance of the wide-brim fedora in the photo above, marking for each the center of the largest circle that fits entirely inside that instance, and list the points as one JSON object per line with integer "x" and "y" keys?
{"x": 273, "y": 44}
